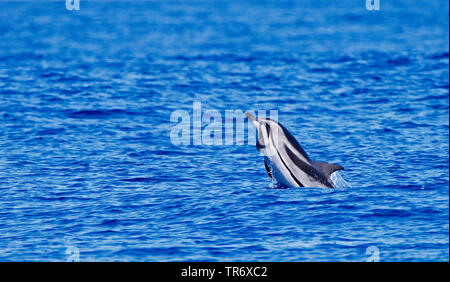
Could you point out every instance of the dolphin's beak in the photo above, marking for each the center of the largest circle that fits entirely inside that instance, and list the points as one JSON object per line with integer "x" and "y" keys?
{"x": 252, "y": 118}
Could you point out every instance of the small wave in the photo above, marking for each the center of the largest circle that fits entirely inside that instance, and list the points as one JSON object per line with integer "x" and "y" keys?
{"x": 439, "y": 56}
{"x": 97, "y": 114}
{"x": 137, "y": 179}
{"x": 411, "y": 124}
{"x": 399, "y": 61}
{"x": 51, "y": 131}
{"x": 388, "y": 213}
{"x": 387, "y": 130}
{"x": 432, "y": 97}
{"x": 321, "y": 70}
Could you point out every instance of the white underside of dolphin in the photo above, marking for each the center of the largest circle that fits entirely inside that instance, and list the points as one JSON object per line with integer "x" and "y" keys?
{"x": 286, "y": 161}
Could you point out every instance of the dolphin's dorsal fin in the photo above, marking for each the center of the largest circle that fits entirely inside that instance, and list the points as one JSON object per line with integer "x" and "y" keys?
{"x": 327, "y": 169}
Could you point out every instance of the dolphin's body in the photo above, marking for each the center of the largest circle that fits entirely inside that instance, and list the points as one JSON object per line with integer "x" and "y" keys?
{"x": 285, "y": 159}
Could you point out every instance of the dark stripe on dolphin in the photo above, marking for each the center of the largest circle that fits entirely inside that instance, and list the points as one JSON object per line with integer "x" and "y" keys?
{"x": 290, "y": 172}
{"x": 310, "y": 170}
{"x": 294, "y": 142}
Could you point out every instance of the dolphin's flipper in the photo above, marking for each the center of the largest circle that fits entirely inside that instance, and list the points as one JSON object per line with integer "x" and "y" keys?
{"x": 327, "y": 169}
{"x": 269, "y": 172}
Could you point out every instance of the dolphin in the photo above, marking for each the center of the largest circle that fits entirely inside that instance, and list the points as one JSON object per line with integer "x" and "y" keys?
{"x": 286, "y": 161}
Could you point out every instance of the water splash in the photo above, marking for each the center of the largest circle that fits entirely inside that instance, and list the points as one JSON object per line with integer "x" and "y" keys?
{"x": 339, "y": 181}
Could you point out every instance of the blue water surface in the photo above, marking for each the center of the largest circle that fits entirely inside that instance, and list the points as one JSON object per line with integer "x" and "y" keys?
{"x": 87, "y": 167}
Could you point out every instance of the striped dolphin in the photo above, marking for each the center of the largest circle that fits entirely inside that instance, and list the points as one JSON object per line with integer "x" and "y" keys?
{"x": 285, "y": 159}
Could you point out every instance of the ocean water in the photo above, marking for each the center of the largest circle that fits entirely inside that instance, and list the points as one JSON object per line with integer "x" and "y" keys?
{"x": 88, "y": 170}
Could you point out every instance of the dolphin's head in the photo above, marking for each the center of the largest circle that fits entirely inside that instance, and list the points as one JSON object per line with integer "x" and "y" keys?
{"x": 265, "y": 128}
{"x": 253, "y": 119}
